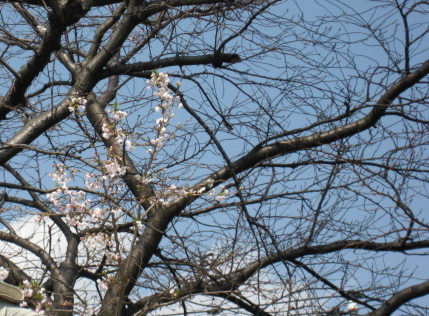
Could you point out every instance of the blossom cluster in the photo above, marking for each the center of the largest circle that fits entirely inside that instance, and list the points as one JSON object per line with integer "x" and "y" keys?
{"x": 109, "y": 180}
{"x": 222, "y": 195}
{"x": 172, "y": 192}
{"x": 33, "y": 291}
{"x": 74, "y": 204}
{"x": 111, "y": 130}
{"x": 71, "y": 203}
{"x": 160, "y": 81}
{"x": 27, "y": 289}
{"x": 102, "y": 243}
{"x": 104, "y": 283}
{"x": 77, "y": 104}
{"x": 114, "y": 169}
{"x": 3, "y": 273}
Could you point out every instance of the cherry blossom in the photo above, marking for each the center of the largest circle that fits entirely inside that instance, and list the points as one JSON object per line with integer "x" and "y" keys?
{"x": 3, "y": 273}
{"x": 77, "y": 104}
